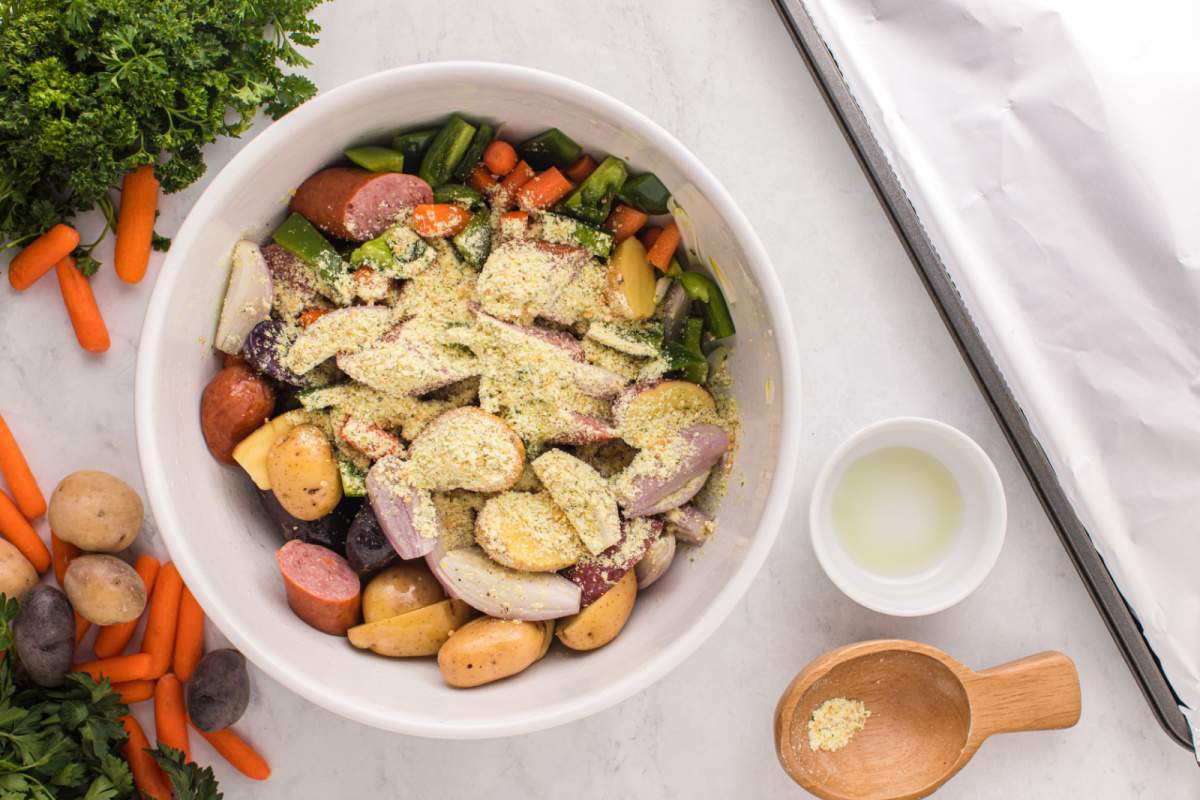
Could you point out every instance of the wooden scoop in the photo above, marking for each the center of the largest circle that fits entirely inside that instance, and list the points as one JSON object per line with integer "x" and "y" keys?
{"x": 929, "y": 714}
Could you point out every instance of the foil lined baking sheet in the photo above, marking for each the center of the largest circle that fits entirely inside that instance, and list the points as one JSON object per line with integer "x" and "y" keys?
{"x": 1048, "y": 148}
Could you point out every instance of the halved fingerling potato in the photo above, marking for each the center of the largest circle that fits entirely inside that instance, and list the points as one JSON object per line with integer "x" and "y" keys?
{"x": 251, "y": 452}
{"x": 631, "y": 280}
{"x": 487, "y": 649}
{"x": 399, "y": 589}
{"x": 599, "y": 623}
{"x": 415, "y": 633}
{"x": 646, "y": 413}
{"x": 304, "y": 473}
{"x": 527, "y": 532}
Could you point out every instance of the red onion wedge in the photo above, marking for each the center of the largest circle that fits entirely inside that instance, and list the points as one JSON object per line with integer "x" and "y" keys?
{"x": 676, "y": 499}
{"x": 656, "y": 561}
{"x": 579, "y": 428}
{"x": 659, "y": 472}
{"x": 599, "y": 573}
{"x": 247, "y": 300}
{"x": 505, "y": 593}
{"x": 689, "y": 524}
{"x": 407, "y": 516}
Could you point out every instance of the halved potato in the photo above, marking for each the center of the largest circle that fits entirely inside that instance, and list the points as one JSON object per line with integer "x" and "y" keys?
{"x": 346, "y": 330}
{"x": 527, "y": 532}
{"x": 647, "y": 412}
{"x": 399, "y": 589}
{"x": 631, "y": 280}
{"x": 599, "y": 623}
{"x": 251, "y": 452}
{"x": 583, "y": 495}
{"x": 466, "y": 448}
{"x": 415, "y": 633}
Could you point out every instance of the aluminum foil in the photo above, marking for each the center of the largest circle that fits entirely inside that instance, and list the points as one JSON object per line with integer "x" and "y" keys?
{"x": 1050, "y": 148}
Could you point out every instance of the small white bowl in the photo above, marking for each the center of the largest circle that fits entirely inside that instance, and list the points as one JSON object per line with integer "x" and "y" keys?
{"x": 962, "y": 569}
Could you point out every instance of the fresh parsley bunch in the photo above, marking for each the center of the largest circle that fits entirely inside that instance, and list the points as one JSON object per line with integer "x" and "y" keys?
{"x": 90, "y": 89}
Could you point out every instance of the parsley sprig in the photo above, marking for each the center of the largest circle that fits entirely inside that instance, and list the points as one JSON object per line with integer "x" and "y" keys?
{"x": 90, "y": 89}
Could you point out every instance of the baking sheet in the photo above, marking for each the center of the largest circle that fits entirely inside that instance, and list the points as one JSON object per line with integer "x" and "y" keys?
{"x": 1043, "y": 146}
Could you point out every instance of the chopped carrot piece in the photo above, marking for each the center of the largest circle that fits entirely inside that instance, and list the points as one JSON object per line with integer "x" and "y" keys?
{"x": 439, "y": 220}
{"x": 311, "y": 315}
{"x": 663, "y": 249}
{"x": 522, "y": 173}
{"x": 544, "y": 190}
{"x": 482, "y": 181}
{"x": 650, "y": 236}
{"x": 500, "y": 157}
{"x": 625, "y": 221}
{"x": 579, "y": 171}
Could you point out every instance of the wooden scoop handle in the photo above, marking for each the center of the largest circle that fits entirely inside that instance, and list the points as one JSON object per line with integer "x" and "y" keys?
{"x": 1036, "y": 693}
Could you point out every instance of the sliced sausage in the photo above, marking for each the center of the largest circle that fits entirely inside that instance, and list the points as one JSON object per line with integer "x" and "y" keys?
{"x": 321, "y": 587}
{"x": 355, "y": 204}
{"x": 234, "y": 404}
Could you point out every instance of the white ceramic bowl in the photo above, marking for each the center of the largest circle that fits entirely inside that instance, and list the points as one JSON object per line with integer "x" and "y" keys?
{"x": 974, "y": 551}
{"x": 209, "y": 515}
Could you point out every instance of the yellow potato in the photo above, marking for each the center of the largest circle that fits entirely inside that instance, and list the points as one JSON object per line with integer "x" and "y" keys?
{"x": 527, "y": 532}
{"x": 17, "y": 575}
{"x": 104, "y": 590}
{"x": 95, "y": 512}
{"x": 647, "y": 414}
{"x": 400, "y": 589}
{"x": 547, "y": 638}
{"x": 631, "y": 280}
{"x": 487, "y": 649}
{"x": 251, "y": 453}
{"x": 599, "y": 623}
{"x": 416, "y": 633}
{"x": 304, "y": 473}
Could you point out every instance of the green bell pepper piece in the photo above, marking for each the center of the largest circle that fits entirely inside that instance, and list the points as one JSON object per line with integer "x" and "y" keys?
{"x": 705, "y": 290}
{"x": 354, "y": 480}
{"x": 474, "y": 154}
{"x": 646, "y": 193}
{"x": 552, "y": 148}
{"x": 412, "y": 146}
{"x": 561, "y": 229}
{"x": 457, "y": 193}
{"x": 374, "y": 254}
{"x": 446, "y": 150}
{"x": 298, "y": 236}
{"x": 592, "y": 200}
{"x": 377, "y": 159}
{"x": 685, "y": 356}
{"x": 474, "y": 242}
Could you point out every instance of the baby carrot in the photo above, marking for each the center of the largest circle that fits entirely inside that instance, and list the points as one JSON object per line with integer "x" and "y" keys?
{"x": 544, "y": 190}
{"x": 500, "y": 157}
{"x": 40, "y": 256}
{"x": 240, "y": 755}
{"x": 579, "y": 171}
{"x": 135, "y": 223}
{"x": 17, "y": 474}
{"x": 81, "y": 628}
{"x": 159, "y": 638}
{"x": 481, "y": 180}
{"x": 15, "y": 528}
{"x": 436, "y": 220}
{"x": 189, "y": 636}
{"x": 61, "y": 553}
{"x": 119, "y": 669}
{"x": 81, "y": 307}
{"x": 625, "y": 221}
{"x": 147, "y": 775}
{"x": 134, "y": 691}
{"x": 663, "y": 249}
{"x": 170, "y": 715}
{"x": 111, "y": 639}
{"x": 650, "y": 236}
{"x": 514, "y": 180}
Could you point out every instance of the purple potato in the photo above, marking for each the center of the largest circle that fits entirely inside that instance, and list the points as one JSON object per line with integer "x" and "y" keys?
{"x": 367, "y": 548}
{"x": 329, "y": 531}
{"x": 44, "y": 634}
{"x": 219, "y": 690}
{"x": 266, "y": 348}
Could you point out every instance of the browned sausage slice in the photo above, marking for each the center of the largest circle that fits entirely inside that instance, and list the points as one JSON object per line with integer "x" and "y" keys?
{"x": 355, "y": 204}
{"x": 321, "y": 587}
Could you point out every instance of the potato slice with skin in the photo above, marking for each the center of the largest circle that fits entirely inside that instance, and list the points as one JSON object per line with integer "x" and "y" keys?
{"x": 466, "y": 448}
{"x": 599, "y": 623}
{"x": 251, "y": 452}
{"x": 421, "y": 632}
{"x": 399, "y": 589}
{"x": 346, "y": 330}
{"x": 647, "y": 413}
{"x": 631, "y": 280}
{"x": 584, "y": 497}
{"x": 527, "y": 532}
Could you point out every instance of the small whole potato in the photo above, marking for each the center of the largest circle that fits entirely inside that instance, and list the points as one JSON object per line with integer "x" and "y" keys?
{"x": 219, "y": 691}
{"x": 488, "y": 649}
{"x": 44, "y": 635}
{"x": 234, "y": 404}
{"x": 95, "y": 512}
{"x": 17, "y": 575}
{"x": 304, "y": 473}
{"x": 399, "y": 589}
{"x": 599, "y": 623}
{"x": 104, "y": 590}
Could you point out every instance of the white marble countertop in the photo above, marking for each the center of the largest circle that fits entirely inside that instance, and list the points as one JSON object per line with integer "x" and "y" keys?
{"x": 724, "y": 78}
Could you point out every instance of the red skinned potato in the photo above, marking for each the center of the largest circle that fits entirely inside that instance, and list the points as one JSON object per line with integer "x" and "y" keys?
{"x": 596, "y": 575}
{"x": 234, "y": 404}
{"x": 355, "y": 204}
{"x": 321, "y": 588}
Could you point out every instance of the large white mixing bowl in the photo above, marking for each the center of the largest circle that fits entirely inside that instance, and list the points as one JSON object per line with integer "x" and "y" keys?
{"x": 224, "y": 544}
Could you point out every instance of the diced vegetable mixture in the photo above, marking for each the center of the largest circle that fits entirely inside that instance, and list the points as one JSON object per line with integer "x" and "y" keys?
{"x": 479, "y": 393}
